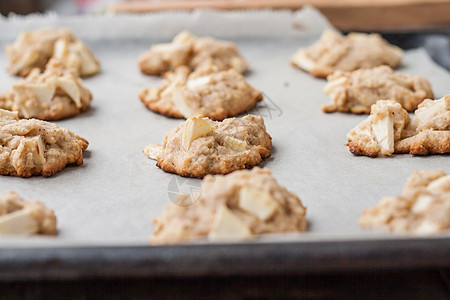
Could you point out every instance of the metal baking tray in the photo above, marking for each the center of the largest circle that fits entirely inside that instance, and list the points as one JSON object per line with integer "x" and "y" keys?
{"x": 105, "y": 206}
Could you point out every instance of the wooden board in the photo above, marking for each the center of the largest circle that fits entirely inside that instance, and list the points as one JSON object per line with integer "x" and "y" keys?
{"x": 364, "y": 15}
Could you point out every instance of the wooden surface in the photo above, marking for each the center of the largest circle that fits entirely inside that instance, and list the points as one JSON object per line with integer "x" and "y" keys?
{"x": 364, "y": 15}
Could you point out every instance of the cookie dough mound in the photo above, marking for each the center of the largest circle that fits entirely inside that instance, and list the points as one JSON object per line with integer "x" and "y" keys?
{"x": 356, "y": 91}
{"x": 196, "y": 53}
{"x": 199, "y": 146}
{"x": 34, "y": 147}
{"x": 346, "y": 53}
{"x": 53, "y": 95}
{"x": 33, "y": 49}
{"x": 217, "y": 96}
{"x": 423, "y": 208}
{"x": 389, "y": 129}
{"x": 18, "y": 216}
{"x": 234, "y": 207}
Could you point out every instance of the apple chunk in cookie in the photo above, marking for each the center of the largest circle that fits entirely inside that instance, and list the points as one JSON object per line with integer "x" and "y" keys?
{"x": 232, "y": 208}
{"x": 346, "y": 53}
{"x": 216, "y": 95}
{"x": 55, "y": 94}
{"x": 423, "y": 207}
{"x": 196, "y": 53}
{"x": 200, "y": 146}
{"x": 389, "y": 129}
{"x": 34, "y": 147}
{"x": 18, "y": 216}
{"x": 33, "y": 49}
{"x": 357, "y": 91}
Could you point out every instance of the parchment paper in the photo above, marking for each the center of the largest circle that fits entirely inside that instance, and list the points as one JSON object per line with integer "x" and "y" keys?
{"x": 114, "y": 195}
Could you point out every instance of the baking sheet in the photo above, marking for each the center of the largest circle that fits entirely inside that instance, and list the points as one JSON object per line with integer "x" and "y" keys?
{"x": 112, "y": 198}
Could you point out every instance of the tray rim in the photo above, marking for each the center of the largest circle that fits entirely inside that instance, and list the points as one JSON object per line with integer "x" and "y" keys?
{"x": 221, "y": 260}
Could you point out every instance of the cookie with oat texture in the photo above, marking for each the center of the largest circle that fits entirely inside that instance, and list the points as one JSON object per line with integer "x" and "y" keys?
{"x": 216, "y": 95}
{"x": 357, "y": 91}
{"x": 354, "y": 51}
{"x": 195, "y": 53}
{"x": 200, "y": 146}
{"x": 34, "y": 147}
{"x": 55, "y": 94}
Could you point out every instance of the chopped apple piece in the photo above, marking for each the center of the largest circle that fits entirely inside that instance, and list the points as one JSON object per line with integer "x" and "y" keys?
{"x": 235, "y": 144}
{"x": 152, "y": 151}
{"x": 62, "y": 51}
{"x": 427, "y": 228}
{"x": 183, "y": 37}
{"x": 170, "y": 90}
{"x": 42, "y": 91}
{"x": 195, "y": 128}
{"x": 71, "y": 88}
{"x": 22, "y": 39}
{"x": 61, "y": 48}
{"x": 37, "y": 147}
{"x": 76, "y": 55}
{"x": 238, "y": 64}
{"x": 440, "y": 185}
{"x": 182, "y": 105}
{"x": 383, "y": 130}
{"x": 303, "y": 61}
{"x": 18, "y": 222}
{"x": 89, "y": 65}
{"x": 429, "y": 109}
{"x": 197, "y": 82}
{"x": 228, "y": 227}
{"x": 24, "y": 61}
{"x": 258, "y": 203}
{"x": 401, "y": 81}
{"x": 9, "y": 114}
{"x": 422, "y": 203}
{"x": 332, "y": 85}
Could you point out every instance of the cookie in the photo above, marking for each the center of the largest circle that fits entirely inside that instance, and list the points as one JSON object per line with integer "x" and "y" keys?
{"x": 55, "y": 94}
{"x": 231, "y": 208}
{"x": 356, "y": 91}
{"x": 389, "y": 129}
{"x": 18, "y": 216}
{"x": 335, "y": 52}
{"x": 422, "y": 208}
{"x": 199, "y": 146}
{"x": 33, "y": 49}
{"x": 196, "y": 53}
{"x": 34, "y": 147}
{"x": 217, "y": 96}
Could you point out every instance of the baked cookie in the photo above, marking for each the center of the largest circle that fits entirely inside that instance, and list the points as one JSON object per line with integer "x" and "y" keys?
{"x": 217, "y": 96}
{"x": 18, "y": 216}
{"x": 34, "y": 147}
{"x": 389, "y": 129}
{"x": 356, "y": 91}
{"x": 422, "y": 208}
{"x": 199, "y": 146}
{"x": 53, "y": 95}
{"x": 233, "y": 207}
{"x": 33, "y": 49}
{"x": 197, "y": 53}
{"x": 335, "y": 52}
